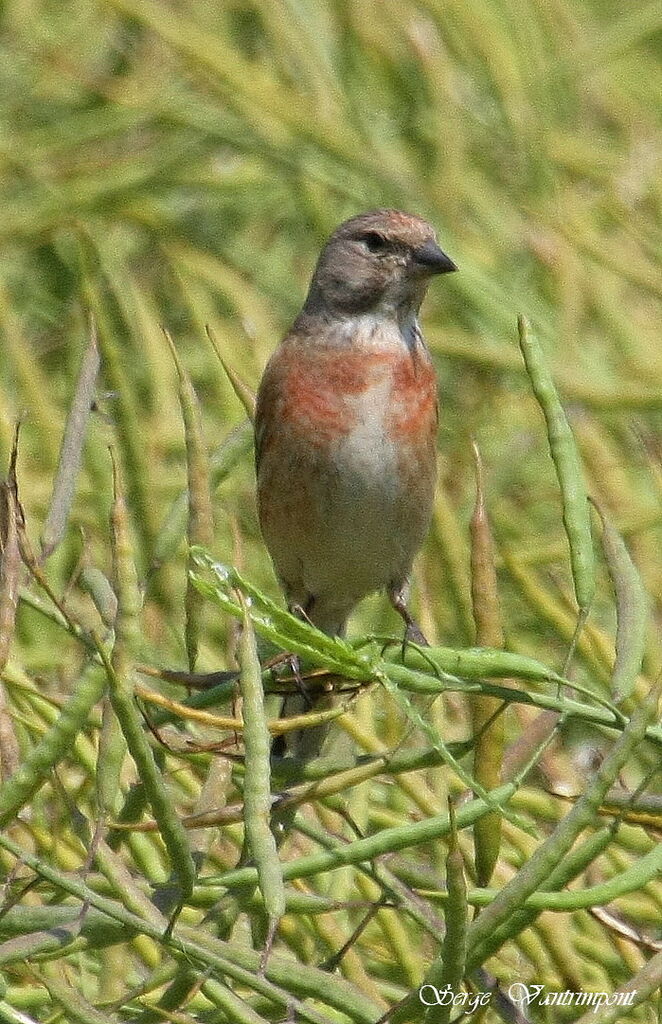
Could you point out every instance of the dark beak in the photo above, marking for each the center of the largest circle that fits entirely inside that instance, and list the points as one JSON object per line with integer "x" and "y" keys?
{"x": 434, "y": 259}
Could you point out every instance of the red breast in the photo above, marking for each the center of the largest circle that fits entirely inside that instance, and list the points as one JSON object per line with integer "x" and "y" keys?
{"x": 316, "y": 392}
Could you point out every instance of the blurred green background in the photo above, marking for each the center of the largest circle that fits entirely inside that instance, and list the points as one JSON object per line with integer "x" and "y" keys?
{"x": 180, "y": 164}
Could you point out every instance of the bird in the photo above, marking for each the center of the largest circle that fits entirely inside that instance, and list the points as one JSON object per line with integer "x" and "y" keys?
{"x": 345, "y": 429}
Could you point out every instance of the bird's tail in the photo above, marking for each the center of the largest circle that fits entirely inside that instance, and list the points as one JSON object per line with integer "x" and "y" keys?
{"x": 306, "y": 744}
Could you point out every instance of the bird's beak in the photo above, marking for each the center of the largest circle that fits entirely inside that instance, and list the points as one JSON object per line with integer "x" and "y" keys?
{"x": 434, "y": 259}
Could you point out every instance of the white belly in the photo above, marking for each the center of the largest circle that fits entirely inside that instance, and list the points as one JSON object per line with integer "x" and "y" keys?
{"x": 368, "y": 525}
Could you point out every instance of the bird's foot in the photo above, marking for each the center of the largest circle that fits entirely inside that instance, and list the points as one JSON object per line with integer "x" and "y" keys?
{"x": 413, "y": 633}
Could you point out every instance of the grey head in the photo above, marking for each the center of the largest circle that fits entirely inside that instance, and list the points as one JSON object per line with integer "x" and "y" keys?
{"x": 379, "y": 262}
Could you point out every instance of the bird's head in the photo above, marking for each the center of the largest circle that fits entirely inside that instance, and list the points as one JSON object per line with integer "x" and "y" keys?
{"x": 380, "y": 262}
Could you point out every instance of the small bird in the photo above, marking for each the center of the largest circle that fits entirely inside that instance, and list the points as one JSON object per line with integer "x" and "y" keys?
{"x": 346, "y": 423}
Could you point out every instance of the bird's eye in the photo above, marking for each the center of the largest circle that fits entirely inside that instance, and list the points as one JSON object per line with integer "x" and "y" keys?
{"x": 375, "y": 242}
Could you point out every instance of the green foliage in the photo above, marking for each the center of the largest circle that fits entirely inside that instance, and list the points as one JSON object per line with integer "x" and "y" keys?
{"x": 178, "y": 166}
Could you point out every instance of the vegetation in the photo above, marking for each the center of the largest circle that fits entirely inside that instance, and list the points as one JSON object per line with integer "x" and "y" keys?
{"x": 176, "y": 167}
